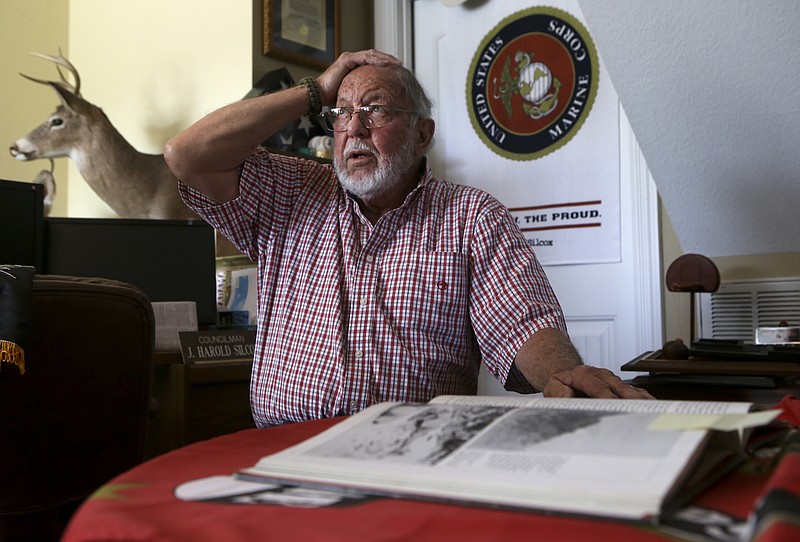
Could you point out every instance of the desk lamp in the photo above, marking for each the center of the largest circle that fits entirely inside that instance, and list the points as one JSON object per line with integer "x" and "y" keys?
{"x": 692, "y": 273}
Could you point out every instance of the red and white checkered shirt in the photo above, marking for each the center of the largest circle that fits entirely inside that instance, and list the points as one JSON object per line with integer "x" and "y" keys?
{"x": 351, "y": 314}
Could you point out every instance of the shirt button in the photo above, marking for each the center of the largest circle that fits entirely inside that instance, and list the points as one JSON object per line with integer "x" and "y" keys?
{"x": 370, "y": 258}
{"x": 359, "y": 354}
{"x": 364, "y": 301}
{"x": 353, "y": 405}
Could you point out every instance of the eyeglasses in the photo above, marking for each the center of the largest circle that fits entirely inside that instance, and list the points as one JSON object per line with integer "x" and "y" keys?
{"x": 372, "y": 116}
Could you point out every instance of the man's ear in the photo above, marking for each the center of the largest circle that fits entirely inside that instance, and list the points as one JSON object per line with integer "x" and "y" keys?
{"x": 425, "y": 129}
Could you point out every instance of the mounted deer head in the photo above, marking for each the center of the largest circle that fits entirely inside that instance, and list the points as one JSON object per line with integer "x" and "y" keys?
{"x": 133, "y": 184}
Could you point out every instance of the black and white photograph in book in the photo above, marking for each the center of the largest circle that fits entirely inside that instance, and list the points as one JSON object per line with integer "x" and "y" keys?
{"x": 427, "y": 435}
{"x": 412, "y": 434}
{"x": 569, "y": 431}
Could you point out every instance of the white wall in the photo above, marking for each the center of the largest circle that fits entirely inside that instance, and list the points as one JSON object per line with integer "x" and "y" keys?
{"x": 28, "y": 26}
{"x": 154, "y": 67}
{"x": 710, "y": 89}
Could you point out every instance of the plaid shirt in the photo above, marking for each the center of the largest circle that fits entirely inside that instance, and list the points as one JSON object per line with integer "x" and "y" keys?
{"x": 350, "y": 314}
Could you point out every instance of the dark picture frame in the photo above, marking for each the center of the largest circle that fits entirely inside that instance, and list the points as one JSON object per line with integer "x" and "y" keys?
{"x": 301, "y": 35}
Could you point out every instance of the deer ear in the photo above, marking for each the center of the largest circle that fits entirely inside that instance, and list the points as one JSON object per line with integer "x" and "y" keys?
{"x": 70, "y": 100}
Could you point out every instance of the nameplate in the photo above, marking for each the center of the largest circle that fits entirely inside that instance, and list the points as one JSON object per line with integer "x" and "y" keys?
{"x": 216, "y": 346}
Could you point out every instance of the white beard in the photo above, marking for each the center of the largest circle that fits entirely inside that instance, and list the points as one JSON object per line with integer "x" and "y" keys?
{"x": 387, "y": 175}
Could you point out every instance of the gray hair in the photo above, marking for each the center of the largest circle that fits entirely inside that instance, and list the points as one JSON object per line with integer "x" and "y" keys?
{"x": 419, "y": 101}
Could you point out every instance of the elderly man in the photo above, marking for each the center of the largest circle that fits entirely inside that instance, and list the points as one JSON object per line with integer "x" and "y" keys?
{"x": 377, "y": 281}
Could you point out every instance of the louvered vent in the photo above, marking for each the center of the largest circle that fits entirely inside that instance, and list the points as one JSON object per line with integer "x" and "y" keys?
{"x": 737, "y": 308}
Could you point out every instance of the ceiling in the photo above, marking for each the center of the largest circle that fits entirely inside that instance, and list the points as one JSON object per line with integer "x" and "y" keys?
{"x": 712, "y": 92}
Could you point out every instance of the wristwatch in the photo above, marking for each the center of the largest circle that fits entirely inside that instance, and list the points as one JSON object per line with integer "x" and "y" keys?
{"x": 314, "y": 97}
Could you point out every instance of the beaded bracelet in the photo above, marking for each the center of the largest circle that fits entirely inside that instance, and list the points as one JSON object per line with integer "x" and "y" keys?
{"x": 313, "y": 94}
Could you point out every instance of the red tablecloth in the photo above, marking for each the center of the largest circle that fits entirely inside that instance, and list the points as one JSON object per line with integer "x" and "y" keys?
{"x": 141, "y": 505}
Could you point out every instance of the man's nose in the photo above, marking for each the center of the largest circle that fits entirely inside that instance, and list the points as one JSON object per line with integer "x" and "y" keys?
{"x": 355, "y": 125}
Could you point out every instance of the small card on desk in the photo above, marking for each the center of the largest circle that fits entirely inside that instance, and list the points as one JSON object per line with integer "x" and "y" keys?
{"x": 219, "y": 345}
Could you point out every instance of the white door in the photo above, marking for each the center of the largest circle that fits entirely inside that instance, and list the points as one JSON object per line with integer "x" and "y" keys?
{"x": 613, "y": 310}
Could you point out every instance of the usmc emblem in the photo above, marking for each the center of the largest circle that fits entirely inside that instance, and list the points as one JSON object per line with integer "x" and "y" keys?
{"x": 532, "y": 83}
{"x": 535, "y": 84}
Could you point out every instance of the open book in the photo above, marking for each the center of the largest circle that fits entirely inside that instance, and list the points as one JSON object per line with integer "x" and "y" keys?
{"x": 616, "y": 458}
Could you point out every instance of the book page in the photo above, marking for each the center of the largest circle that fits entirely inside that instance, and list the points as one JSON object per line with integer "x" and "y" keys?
{"x": 582, "y": 403}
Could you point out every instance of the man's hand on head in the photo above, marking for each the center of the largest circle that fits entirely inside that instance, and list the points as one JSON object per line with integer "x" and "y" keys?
{"x": 588, "y": 381}
{"x": 331, "y": 78}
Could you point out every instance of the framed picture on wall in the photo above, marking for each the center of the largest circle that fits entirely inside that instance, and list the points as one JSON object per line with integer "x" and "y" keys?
{"x": 305, "y": 32}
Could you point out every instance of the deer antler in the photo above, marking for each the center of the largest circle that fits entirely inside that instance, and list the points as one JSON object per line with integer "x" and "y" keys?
{"x": 59, "y": 61}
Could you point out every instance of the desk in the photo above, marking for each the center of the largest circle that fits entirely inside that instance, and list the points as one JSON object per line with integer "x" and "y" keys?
{"x": 756, "y": 381}
{"x": 141, "y": 505}
{"x": 193, "y": 402}
{"x": 687, "y": 387}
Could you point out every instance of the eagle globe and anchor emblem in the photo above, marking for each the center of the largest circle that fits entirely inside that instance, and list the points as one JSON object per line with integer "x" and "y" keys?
{"x": 532, "y": 82}
{"x": 535, "y": 84}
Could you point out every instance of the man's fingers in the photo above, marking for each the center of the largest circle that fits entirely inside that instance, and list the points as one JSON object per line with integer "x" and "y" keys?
{"x": 585, "y": 380}
{"x": 621, "y": 389}
{"x": 591, "y": 381}
{"x": 557, "y": 388}
{"x": 626, "y": 391}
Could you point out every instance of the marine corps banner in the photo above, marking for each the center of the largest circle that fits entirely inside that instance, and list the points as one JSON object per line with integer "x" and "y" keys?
{"x": 541, "y": 126}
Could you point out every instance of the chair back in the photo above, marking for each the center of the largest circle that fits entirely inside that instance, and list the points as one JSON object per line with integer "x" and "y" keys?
{"x": 78, "y": 415}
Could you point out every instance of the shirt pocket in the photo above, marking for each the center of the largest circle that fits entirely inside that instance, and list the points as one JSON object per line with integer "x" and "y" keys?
{"x": 426, "y": 294}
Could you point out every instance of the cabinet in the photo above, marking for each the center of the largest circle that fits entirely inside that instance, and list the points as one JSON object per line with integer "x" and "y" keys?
{"x": 192, "y": 402}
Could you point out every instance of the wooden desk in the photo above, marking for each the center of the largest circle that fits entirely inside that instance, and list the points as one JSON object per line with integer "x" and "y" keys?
{"x": 141, "y": 505}
{"x": 763, "y": 393}
{"x": 193, "y": 402}
{"x": 761, "y": 382}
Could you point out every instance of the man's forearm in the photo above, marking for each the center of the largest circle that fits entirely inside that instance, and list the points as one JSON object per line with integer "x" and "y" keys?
{"x": 208, "y": 154}
{"x": 547, "y": 352}
{"x": 549, "y": 361}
